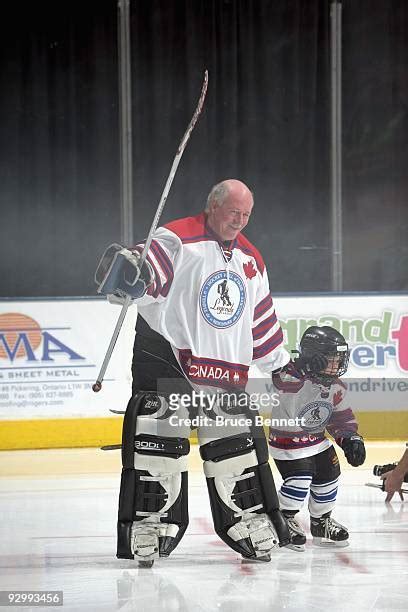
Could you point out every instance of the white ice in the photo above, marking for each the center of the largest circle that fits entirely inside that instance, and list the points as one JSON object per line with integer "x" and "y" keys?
{"x": 58, "y": 532}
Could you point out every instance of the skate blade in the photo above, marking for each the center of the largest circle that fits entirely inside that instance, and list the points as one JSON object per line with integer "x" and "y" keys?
{"x": 324, "y": 543}
{"x": 145, "y": 563}
{"x": 295, "y": 547}
{"x": 262, "y": 559}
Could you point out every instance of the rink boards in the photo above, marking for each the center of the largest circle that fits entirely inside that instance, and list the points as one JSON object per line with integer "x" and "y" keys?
{"x": 51, "y": 352}
{"x": 96, "y": 432}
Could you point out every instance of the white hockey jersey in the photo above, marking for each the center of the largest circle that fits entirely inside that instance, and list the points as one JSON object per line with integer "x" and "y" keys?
{"x": 317, "y": 409}
{"x": 212, "y": 302}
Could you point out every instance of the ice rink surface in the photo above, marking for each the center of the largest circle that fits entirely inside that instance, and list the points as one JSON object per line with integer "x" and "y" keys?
{"x": 57, "y": 532}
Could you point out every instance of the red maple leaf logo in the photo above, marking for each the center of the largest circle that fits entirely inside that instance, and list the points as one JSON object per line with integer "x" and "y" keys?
{"x": 249, "y": 269}
{"x": 337, "y": 397}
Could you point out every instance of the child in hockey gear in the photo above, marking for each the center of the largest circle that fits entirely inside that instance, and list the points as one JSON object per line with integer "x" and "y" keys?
{"x": 310, "y": 390}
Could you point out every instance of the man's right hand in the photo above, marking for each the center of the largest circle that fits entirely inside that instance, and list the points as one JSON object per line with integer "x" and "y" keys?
{"x": 393, "y": 483}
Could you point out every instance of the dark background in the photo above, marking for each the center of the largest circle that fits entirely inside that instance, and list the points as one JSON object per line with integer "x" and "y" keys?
{"x": 266, "y": 121}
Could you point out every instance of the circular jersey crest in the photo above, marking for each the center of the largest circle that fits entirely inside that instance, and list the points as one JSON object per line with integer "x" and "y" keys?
{"x": 222, "y": 299}
{"x": 315, "y": 415}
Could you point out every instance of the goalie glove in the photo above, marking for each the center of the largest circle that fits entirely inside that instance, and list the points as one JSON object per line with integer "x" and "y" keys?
{"x": 354, "y": 450}
{"x": 119, "y": 274}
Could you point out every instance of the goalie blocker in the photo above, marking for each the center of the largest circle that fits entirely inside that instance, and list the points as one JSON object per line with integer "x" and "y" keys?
{"x": 119, "y": 273}
{"x": 153, "y": 501}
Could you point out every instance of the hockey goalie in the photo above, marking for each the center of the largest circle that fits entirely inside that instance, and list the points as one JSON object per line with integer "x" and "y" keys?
{"x": 205, "y": 316}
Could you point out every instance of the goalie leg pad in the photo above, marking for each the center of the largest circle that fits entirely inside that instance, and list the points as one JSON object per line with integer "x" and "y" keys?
{"x": 153, "y": 510}
{"x": 243, "y": 498}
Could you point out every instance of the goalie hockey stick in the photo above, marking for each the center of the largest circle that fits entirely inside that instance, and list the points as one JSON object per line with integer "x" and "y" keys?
{"x": 97, "y": 386}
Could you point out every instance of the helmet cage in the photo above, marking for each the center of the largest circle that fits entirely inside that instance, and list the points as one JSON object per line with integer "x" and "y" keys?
{"x": 331, "y": 344}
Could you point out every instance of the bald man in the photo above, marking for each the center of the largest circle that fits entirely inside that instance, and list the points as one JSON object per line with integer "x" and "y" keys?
{"x": 205, "y": 316}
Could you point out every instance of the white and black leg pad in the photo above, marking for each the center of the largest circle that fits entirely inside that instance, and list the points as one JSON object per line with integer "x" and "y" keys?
{"x": 153, "y": 502}
{"x": 244, "y": 502}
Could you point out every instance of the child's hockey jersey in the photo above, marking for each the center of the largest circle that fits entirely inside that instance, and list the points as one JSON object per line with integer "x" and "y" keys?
{"x": 317, "y": 409}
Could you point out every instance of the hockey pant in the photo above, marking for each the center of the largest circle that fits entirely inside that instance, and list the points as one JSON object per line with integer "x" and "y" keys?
{"x": 153, "y": 505}
{"x": 318, "y": 474}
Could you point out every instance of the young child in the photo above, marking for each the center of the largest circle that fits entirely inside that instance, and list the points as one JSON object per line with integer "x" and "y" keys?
{"x": 310, "y": 389}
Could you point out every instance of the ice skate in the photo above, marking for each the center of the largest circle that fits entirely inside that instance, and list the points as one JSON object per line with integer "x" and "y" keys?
{"x": 297, "y": 535}
{"x": 151, "y": 539}
{"x": 327, "y": 532}
{"x": 145, "y": 543}
{"x": 256, "y": 533}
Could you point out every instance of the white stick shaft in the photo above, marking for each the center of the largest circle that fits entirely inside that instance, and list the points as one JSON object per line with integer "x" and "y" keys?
{"x": 98, "y": 384}
{"x": 114, "y": 338}
{"x": 174, "y": 167}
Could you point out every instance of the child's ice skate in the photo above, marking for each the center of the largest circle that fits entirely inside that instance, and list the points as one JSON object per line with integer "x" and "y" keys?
{"x": 327, "y": 532}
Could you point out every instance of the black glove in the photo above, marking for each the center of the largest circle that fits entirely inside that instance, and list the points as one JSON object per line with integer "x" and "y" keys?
{"x": 354, "y": 450}
{"x": 311, "y": 364}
